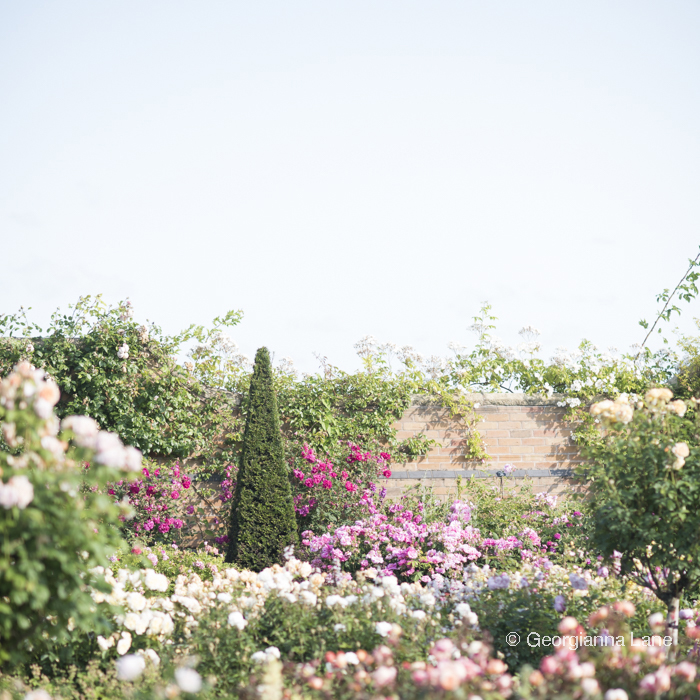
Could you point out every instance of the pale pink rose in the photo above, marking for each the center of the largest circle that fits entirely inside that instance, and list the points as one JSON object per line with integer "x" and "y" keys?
{"x": 568, "y": 625}
{"x": 451, "y": 674}
{"x": 84, "y": 428}
{"x": 132, "y": 461}
{"x": 109, "y": 450}
{"x": 384, "y": 675}
{"x": 686, "y": 671}
{"x": 18, "y": 491}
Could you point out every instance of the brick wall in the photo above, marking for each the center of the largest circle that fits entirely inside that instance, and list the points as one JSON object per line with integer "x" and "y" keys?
{"x": 528, "y": 432}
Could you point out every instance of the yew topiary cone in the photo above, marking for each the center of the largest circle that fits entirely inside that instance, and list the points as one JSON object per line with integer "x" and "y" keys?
{"x": 263, "y": 523}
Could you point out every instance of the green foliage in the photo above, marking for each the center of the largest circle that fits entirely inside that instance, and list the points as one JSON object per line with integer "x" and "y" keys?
{"x": 334, "y": 489}
{"x": 262, "y": 515}
{"x": 687, "y": 384}
{"x": 55, "y": 527}
{"x": 193, "y": 412}
{"x": 170, "y": 561}
{"x": 643, "y": 476}
{"x": 126, "y": 377}
{"x": 363, "y": 406}
{"x": 416, "y": 446}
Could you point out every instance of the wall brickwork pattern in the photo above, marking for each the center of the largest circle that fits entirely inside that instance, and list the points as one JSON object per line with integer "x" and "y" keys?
{"x": 528, "y": 432}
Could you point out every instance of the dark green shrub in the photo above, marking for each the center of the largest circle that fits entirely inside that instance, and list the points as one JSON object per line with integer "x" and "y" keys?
{"x": 262, "y": 517}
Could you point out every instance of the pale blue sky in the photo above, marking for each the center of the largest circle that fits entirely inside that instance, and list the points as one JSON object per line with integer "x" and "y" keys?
{"x": 343, "y": 168}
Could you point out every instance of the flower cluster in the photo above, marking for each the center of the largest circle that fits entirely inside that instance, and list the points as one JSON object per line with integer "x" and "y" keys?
{"x": 465, "y": 667}
{"x": 320, "y": 487}
{"x": 18, "y": 491}
{"x": 401, "y": 542}
{"x": 243, "y": 595}
{"x": 52, "y": 503}
{"x": 607, "y": 661}
{"x": 618, "y": 411}
{"x": 28, "y": 387}
{"x": 154, "y": 497}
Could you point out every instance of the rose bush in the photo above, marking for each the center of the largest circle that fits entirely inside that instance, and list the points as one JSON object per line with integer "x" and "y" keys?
{"x": 55, "y": 524}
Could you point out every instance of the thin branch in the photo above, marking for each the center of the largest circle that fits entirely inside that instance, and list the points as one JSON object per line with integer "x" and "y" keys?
{"x": 668, "y": 301}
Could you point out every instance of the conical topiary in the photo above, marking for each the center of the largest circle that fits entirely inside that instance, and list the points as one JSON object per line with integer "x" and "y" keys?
{"x": 263, "y": 523}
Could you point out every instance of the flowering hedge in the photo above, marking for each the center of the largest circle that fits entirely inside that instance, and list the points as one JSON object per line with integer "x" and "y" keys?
{"x": 55, "y": 525}
{"x": 127, "y": 377}
{"x": 404, "y": 540}
{"x": 189, "y": 623}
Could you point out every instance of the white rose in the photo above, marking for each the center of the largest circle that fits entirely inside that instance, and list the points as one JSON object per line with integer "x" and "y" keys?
{"x": 308, "y": 597}
{"x": 427, "y": 599}
{"x": 236, "y": 619}
{"x": 188, "y": 680}
{"x": 462, "y": 609}
{"x": 131, "y": 621}
{"x": 332, "y": 600}
{"x": 155, "y": 582}
{"x": 136, "y": 601}
{"x": 124, "y": 644}
{"x": 190, "y": 603}
{"x": 105, "y": 644}
{"x": 132, "y": 459}
{"x": 616, "y": 694}
{"x": 130, "y": 667}
{"x": 54, "y": 446}
{"x": 590, "y": 686}
{"x": 168, "y": 625}
{"x": 151, "y": 655}
{"x": 678, "y": 407}
{"x": 38, "y": 694}
{"x": 652, "y": 396}
{"x": 84, "y": 428}
{"x": 156, "y": 625}
{"x": 142, "y": 624}
{"x": 383, "y": 628}
{"x": 681, "y": 449}
{"x": 109, "y": 450}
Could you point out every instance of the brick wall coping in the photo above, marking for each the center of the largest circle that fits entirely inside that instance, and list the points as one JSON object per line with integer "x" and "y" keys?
{"x": 487, "y": 474}
{"x": 506, "y": 399}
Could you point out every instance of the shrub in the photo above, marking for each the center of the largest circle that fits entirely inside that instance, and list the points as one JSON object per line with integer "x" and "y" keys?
{"x": 126, "y": 377}
{"x": 262, "y": 517}
{"x": 420, "y": 536}
{"x": 617, "y": 666}
{"x": 337, "y": 488}
{"x": 55, "y": 525}
{"x": 644, "y": 480}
